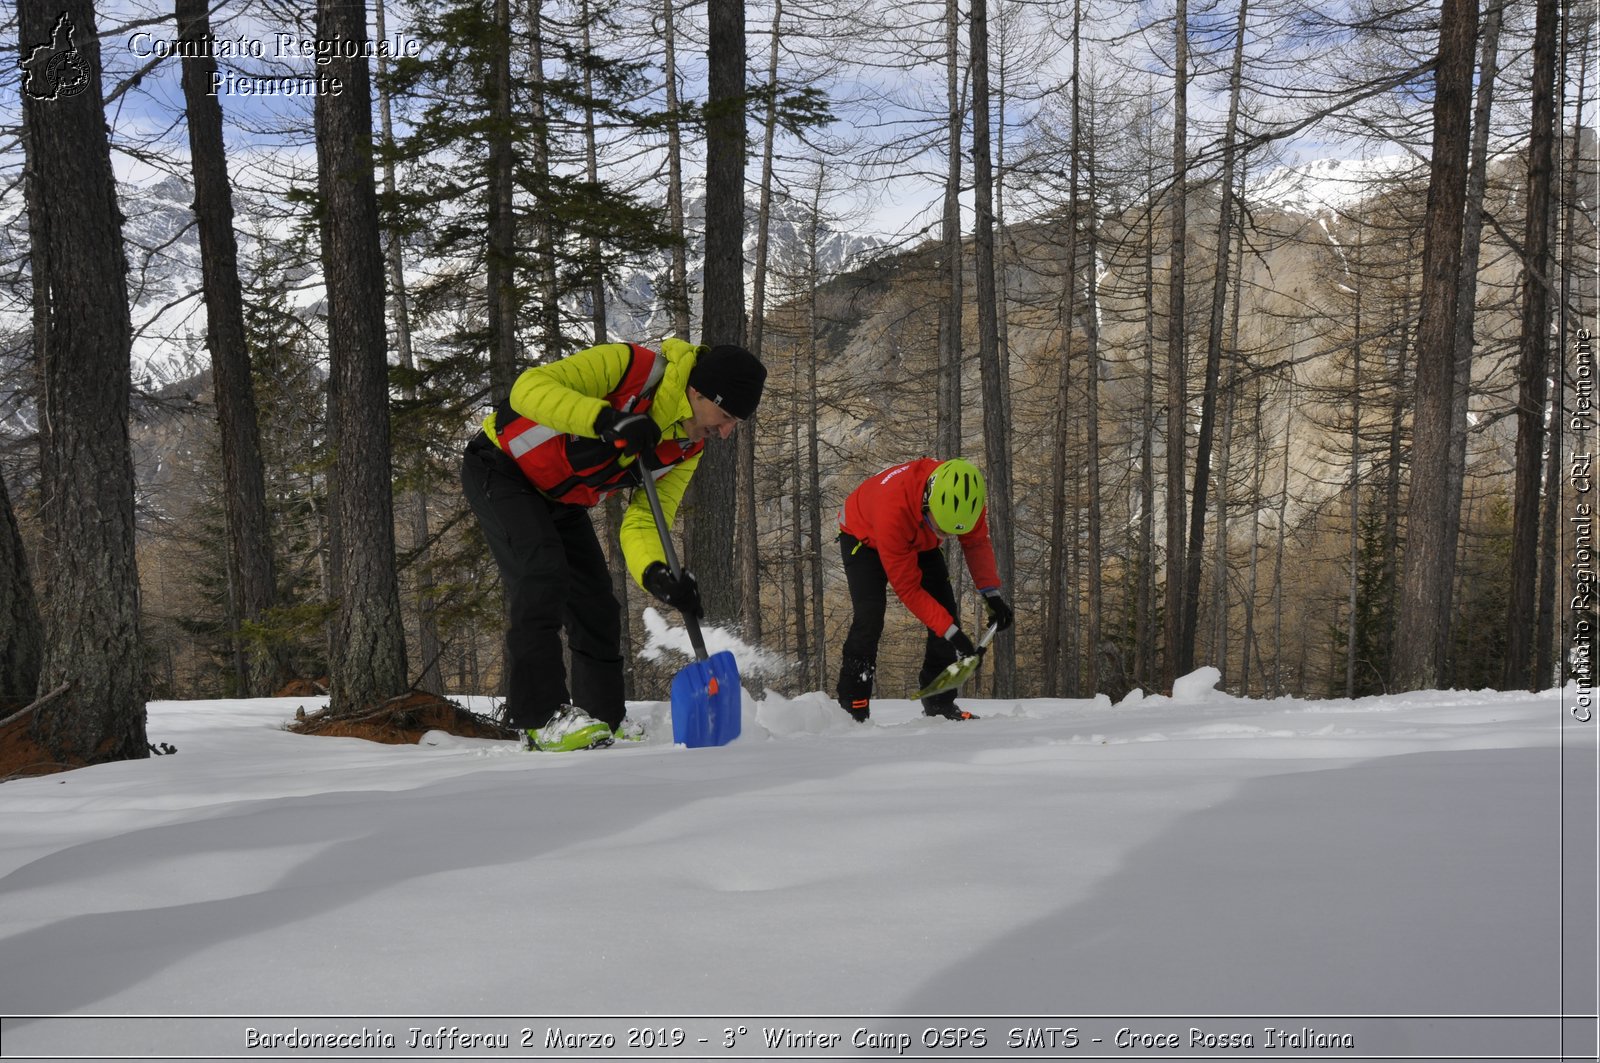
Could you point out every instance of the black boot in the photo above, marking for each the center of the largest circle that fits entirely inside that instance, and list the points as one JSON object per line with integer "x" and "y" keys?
{"x": 945, "y": 708}
{"x": 855, "y": 687}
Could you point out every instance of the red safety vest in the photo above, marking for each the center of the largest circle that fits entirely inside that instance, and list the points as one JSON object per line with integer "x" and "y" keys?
{"x": 582, "y": 470}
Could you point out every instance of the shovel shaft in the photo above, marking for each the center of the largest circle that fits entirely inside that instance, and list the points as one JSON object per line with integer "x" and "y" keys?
{"x": 689, "y": 621}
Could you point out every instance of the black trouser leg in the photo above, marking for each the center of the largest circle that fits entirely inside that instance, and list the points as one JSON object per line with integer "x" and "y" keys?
{"x": 937, "y": 654}
{"x": 593, "y": 619}
{"x": 546, "y": 557}
{"x": 868, "y": 584}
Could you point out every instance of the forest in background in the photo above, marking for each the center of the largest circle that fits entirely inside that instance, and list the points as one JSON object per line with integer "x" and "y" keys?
{"x": 1383, "y": 396}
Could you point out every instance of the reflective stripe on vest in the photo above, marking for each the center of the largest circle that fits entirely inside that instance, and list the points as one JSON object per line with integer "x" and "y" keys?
{"x": 580, "y": 469}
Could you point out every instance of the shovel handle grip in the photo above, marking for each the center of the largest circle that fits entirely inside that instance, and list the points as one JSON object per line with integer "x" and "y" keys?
{"x": 689, "y": 621}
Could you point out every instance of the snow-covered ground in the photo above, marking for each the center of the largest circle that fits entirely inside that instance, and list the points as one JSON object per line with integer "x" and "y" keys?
{"x": 1407, "y": 876}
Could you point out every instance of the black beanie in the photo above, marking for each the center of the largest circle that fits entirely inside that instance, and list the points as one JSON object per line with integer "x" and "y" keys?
{"x": 731, "y": 377}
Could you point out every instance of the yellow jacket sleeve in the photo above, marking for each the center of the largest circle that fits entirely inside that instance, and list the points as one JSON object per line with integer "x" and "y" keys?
{"x": 567, "y": 395}
{"x": 641, "y": 544}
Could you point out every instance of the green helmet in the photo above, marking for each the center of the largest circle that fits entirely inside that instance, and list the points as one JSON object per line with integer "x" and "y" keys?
{"x": 956, "y": 493}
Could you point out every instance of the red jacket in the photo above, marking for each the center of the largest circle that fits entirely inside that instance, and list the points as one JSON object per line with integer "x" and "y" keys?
{"x": 885, "y": 513}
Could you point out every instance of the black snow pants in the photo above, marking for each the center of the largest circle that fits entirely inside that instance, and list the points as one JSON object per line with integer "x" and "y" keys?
{"x": 555, "y": 576}
{"x": 869, "y": 586}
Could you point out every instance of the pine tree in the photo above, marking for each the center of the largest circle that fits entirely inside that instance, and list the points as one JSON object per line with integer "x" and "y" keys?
{"x": 91, "y": 676}
{"x": 1425, "y": 602}
{"x": 710, "y": 533}
{"x": 250, "y": 551}
{"x": 369, "y": 663}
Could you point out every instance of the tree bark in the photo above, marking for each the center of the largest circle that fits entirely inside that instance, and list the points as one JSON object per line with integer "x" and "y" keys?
{"x": 1423, "y": 623}
{"x": 1058, "y": 602}
{"x": 947, "y": 418}
{"x": 500, "y": 254}
{"x": 710, "y": 527}
{"x": 1195, "y": 554}
{"x": 1533, "y": 360}
{"x": 1095, "y": 621}
{"x": 92, "y": 642}
{"x": 813, "y": 495}
{"x": 21, "y": 630}
{"x": 994, "y": 376}
{"x": 749, "y": 538}
{"x": 1177, "y": 661}
{"x": 1353, "y": 604}
{"x": 677, "y": 294}
{"x": 547, "y": 311}
{"x": 244, "y": 489}
{"x": 369, "y": 659}
{"x": 1466, "y": 305}
{"x": 416, "y": 504}
{"x": 1144, "y": 662}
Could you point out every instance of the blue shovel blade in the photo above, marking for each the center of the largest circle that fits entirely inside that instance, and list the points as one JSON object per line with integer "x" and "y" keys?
{"x": 705, "y": 702}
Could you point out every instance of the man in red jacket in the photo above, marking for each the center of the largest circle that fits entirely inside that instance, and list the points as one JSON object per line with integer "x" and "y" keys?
{"x": 890, "y": 531}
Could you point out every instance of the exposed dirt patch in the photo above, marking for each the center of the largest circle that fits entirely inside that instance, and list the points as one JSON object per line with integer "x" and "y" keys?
{"x": 403, "y": 720}
{"x": 22, "y": 756}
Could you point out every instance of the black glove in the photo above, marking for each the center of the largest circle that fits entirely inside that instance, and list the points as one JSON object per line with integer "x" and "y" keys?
{"x": 631, "y": 433}
{"x": 963, "y": 645}
{"x": 1000, "y": 614}
{"x": 683, "y": 594}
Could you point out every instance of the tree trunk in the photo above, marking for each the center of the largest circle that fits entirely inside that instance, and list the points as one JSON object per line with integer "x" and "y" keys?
{"x": 947, "y": 425}
{"x": 1057, "y": 602}
{"x": 677, "y": 293}
{"x": 1394, "y": 463}
{"x": 548, "y": 309}
{"x": 1178, "y": 661}
{"x": 500, "y": 254}
{"x": 813, "y": 495}
{"x": 21, "y": 630}
{"x": 250, "y": 558}
{"x": 1091, "y": 386}
{"x": 1466, "y": 302}
{"x": 1195, "y": 553}
{"x": 710, "y": 528}
{"x": 92, "y": 643}
{"x": 1277, "y": 561}
{"x": 1145, "y": 625}
{"x": 749, "y": 528}
{"x": 797, "y": 540}
{"x": 416, "y": 504}
{"x": 1533, "y": 360}
{"x": 1353, "y": 602}
{"x": 369, "y": 661}
{"x": 1424, "y": 621}
{"x": 996, "y": 426}
{"x": 1257, "y": 485}
{"x": 591, "y": 171}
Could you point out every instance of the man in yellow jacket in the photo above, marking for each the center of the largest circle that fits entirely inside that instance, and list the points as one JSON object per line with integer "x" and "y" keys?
{"x": 573, "y": 432}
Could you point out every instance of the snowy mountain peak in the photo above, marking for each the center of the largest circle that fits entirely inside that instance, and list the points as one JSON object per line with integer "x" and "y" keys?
{"x": 1326, "y": 186}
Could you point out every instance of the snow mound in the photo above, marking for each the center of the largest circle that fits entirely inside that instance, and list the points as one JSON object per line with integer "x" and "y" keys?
{"x": 1198, "y": 685}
